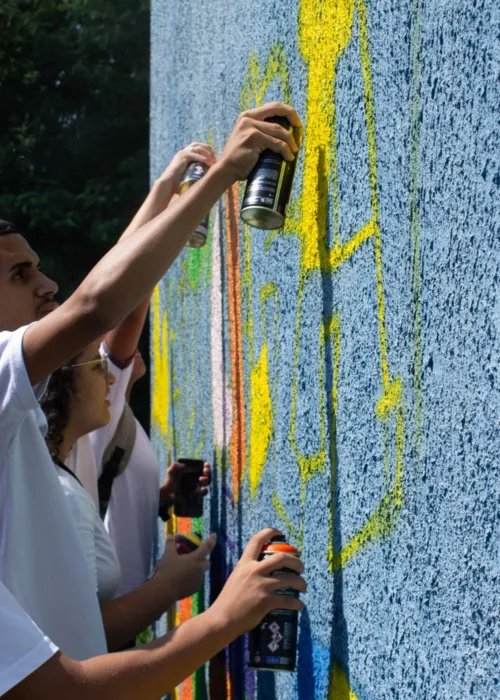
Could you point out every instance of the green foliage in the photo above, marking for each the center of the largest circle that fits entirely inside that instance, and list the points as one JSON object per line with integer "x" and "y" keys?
{"x": 74, "y": 104}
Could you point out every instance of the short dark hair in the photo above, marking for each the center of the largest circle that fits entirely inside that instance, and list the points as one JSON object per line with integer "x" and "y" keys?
{"x": 7, "y": 227}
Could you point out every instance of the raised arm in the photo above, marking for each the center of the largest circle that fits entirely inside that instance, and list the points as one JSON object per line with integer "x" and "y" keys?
{"x": 131, "y": 269}
{"x": 122, "y": 341}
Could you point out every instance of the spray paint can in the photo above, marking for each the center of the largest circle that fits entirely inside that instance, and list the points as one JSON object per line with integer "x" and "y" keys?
{"x": 269, "y": 185}
{"x": 187, "y": 542}
{"x": 194, "y": 173}
{"x": 273, "y": 643}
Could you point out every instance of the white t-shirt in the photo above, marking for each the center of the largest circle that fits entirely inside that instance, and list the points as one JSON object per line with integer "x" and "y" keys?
{"x": 99, "y": 551}
{"x": 41, "y": 558}
{"x": 23, "y": 647}
{"x": 131, "y": 518}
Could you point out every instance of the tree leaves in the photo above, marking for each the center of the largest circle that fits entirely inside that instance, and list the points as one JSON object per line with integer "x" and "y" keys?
{"x": 74, "y": 103}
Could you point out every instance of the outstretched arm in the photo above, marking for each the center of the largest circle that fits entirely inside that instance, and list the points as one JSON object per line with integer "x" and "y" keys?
{"x": 148, "y": 672}
{"x": 131, "y": 269}
{"x": 123, "y": 340}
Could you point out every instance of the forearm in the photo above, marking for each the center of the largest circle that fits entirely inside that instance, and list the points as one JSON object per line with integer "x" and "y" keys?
{"x": 145, "y": 673}
{"x": 125, "y": 617}
{"x": 129, "y": 272}
{"x": 157, "y": 201}
{"x": 121, "y": 280}
{"x": 123, "y": 340}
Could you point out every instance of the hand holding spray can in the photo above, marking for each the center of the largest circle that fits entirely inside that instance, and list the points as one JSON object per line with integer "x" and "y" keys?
{"x": 269, "y": 185}
{"x": 188, "y": 542}
{"x": 273, "y": 644}
{"x": 194, "y": 172}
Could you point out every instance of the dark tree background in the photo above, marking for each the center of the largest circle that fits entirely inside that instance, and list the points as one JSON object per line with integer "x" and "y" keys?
{"x": 74, "y": 108}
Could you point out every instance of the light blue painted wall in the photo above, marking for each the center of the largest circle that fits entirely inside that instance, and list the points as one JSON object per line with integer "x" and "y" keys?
{"x": 413, "y": 613}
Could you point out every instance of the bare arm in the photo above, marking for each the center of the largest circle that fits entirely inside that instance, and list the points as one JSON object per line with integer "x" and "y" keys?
{"x": 145, "y": 673}
{"x": 128, "y": 273}
{"x": 148, "y": 672}
{"x": 177, "y": 577}
{"x": 123, "y": 340}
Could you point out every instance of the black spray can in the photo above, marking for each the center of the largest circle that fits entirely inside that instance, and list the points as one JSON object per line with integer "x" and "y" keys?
{"x": 273, "y": 644}
{"x": 269, "y": 185}
{"x": 194, "y": 173}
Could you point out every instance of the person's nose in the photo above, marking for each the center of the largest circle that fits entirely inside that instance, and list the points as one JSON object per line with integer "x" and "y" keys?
{"x": 111, "y": 379}
{"x": 45, "y": 286}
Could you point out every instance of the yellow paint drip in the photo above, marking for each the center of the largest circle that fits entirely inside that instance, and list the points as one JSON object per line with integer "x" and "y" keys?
{"x": 260, "y": 419}
{"x": 390, "y": 399}
{"x": 324, "y": 32}
{"x": 339, "y": 685}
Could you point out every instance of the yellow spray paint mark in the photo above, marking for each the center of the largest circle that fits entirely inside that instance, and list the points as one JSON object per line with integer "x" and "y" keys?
{"x": 324, "y": 32}
{"x": 339, "y": 685}
{"x": 161, "y": 389}
{"x": 260, "y": 419}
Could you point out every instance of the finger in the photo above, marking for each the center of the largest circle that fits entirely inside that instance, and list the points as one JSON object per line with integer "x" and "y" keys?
{"x": 204, "y": 150}
{"x": 254, "y": 546}
{"x": 273, "y": 144}
{"x": 279, "y": 132}
{"x": 285, "y": 602}
{"x": 204, "y": 565}
{"x": 281, "y": 560}
{"x": 206, "y": 546}
{"x": 207, "y": 471}
{"x": 201, "y": 149}
{"x": 204, "y": 480}
{"x": 275, "y": 109}
{"x": 283, "y": 581}
{"x": 196, "y": 157}
{"x": 170, "y": 547}
{"x": 175, "y": 467}
{"x": 202, "y": 491}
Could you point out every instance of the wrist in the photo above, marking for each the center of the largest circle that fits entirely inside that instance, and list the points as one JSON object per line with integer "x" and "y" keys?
{"x": 224, "y": 172}
{"x": 221, "y": 624}
{"x": 163, "y": 187}
{"x": 161, "y": 589}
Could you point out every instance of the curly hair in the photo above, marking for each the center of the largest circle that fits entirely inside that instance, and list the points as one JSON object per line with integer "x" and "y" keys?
{"x": 56, "y": 406}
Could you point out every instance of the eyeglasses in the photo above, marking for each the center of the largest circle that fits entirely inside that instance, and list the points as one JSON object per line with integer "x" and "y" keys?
{"x": 103, "y": 361}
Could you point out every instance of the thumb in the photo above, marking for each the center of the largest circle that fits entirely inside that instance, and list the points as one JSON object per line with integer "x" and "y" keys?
{"x": 170, "y": 547}
{"x": 207, "y": 546}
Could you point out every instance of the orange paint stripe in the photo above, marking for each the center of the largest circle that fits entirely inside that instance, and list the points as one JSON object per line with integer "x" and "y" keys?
{"x": 238, "y": 438}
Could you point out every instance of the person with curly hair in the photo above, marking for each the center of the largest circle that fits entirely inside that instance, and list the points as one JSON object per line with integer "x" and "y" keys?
{"x": 76, "y": 403}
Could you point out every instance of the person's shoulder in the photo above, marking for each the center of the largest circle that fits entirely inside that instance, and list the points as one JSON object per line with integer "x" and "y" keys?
{"x": 17, "y": 396}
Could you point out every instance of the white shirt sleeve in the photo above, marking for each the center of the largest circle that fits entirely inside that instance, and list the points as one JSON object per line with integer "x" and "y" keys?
{"x": 17, "y": 396}
{"x": 23, "y": 647}
{"x": 101, "y": 438}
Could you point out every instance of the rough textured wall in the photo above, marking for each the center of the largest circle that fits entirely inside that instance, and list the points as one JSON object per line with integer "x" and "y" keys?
{"x": 342, "y": 374}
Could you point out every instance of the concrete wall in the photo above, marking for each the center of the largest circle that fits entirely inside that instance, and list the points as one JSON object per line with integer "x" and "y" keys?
{"x": 342, "y": 374}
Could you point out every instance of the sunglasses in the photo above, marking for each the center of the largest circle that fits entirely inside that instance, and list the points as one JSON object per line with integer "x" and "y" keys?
{"x": 103, "y": 361}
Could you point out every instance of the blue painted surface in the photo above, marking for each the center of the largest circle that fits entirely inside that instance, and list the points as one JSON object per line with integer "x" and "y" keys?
{"x": 414, "y": 612}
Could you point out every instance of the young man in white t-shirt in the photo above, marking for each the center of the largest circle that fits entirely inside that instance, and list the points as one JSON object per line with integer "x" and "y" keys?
{"x": 41, "y": 561}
